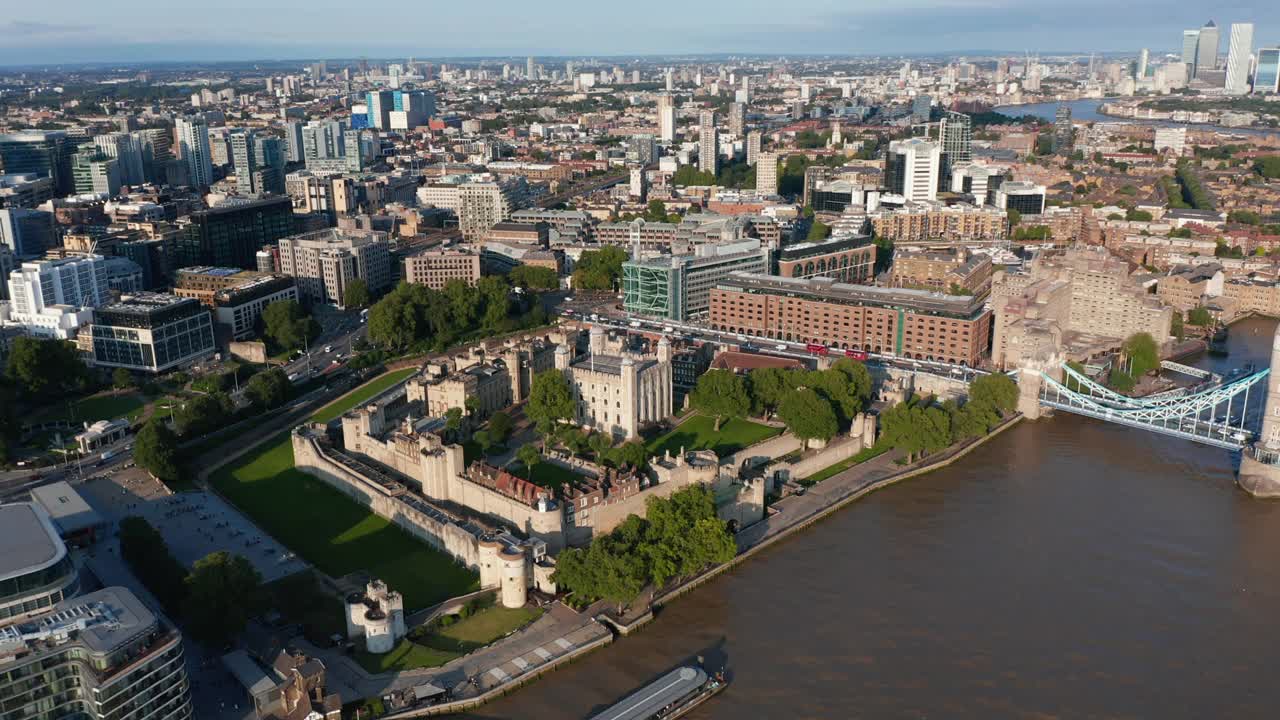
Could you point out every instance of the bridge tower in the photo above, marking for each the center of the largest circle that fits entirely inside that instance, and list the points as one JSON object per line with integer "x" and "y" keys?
{"x": 1260, "y": 465}
{"x": 1031, "y": 380}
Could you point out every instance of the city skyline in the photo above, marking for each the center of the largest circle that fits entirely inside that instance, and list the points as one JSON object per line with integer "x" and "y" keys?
{"x": 88, "y": 33}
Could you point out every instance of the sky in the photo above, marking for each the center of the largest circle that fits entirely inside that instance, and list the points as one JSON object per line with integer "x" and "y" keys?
{"x": 71, "y": 31}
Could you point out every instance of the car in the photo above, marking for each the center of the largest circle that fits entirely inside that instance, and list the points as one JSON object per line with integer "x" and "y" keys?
{"x": 328, "y": 348}
{"x": 634, "y": 323}
{"x": 781, "y": 347}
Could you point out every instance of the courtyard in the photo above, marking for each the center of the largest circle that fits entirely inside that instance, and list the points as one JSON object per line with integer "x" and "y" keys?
{"x": 699, "y": 433}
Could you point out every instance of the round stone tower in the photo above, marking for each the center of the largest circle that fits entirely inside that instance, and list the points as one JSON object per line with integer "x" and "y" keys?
{"x": 490, "y": 567}
{"x": 547, "y": 524}
{"x": 515, "y": 592}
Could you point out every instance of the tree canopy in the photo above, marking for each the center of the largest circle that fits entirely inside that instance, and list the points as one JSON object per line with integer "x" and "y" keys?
{"x": 599, "y": 269}
{"x": 148, "y": 556}
{"x": 550, "y": 400}
{"x": 287, "y": 326}
{"x": 534, "y": 277}
{"x": 223, "y": 592}
{"x": 45, "y": 368}
{"x": 720, "y": 394}
{"x": 155, "y": 449}
{"x": 415, "y": 316}
{"x": 203, "y": 413}
{"x": 808, "y": 416}
{"x": 268, "y": 389}
{"x": 356, "y": 295}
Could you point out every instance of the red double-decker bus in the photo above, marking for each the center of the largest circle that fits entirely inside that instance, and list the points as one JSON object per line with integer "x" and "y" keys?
{"x": 856, "y": 354}
{"x": 816, "y": 349}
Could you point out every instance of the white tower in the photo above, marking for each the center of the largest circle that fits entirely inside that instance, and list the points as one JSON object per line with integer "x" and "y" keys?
{"x": 1260, "y": 464}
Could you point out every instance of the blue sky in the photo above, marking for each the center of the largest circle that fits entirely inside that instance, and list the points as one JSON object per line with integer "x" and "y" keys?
{"x": 149, "y": 30}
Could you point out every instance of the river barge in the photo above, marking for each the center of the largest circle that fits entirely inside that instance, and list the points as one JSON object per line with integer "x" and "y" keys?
{"x": 668, "y": 697}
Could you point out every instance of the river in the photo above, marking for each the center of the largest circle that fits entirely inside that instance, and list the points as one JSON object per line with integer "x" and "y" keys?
{"x": 1069, "y": 568}
{"x": 1086, "y": 110}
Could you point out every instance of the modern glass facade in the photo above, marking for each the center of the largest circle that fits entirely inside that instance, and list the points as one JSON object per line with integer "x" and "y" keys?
{"x": 152, "y": 333}
{"x": 47, "y": 154}
{"x": 231, "y": 236}
{"x": 1267, "y": 74}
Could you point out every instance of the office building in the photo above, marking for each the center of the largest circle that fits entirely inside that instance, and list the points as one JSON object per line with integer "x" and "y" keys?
{"x": 678, "y": 287}
{"x": 435, "y": 268}
{"x": 55, "y": 298}
{"x": 1206, "y": 49}
{"x": 708, "y": 143}
{"x": 293, "y": 140}
{"x": 27, "y": 233}
{"x": 100, "y": 656}
{"x": 27, "y": 190}
{"x": 767, "y": 173}
{"x": 955, "y": 134}
{"x": 193, "y": 142}
{"x": 1239, "y": 55}
{"x": 236, "y": 297}
{"x": 1266, "y": 75}
{"x": 93, "y": 173}
{"x": 917, "y": 324}
{"x": 324, "y": 262}
{"x": 157, "y": 155}
{"x": 1173, "y": 139}
{"x": 1190, "y": 40}
{"x": 244, "y": 155}
{"x": 1024, "y": 197}
{"x": 46, "y": 154}
{"x": 667, "y": 116}
{"x": 1063, "y": 131}
{"x": 411, "y": 109}
{"x": 380, "y": 103}
{"x": 151, "y": 332}
{"x": 921, "y": 108}
{"x": 231, "y": 234}
{"x": 127, "y": 150}
{"x": 36, "y": 571}
{"x": 848, "y": 259}
{"x": 912, "y": 168}
{"x": 956, "y": 271}
{"x": 528, "y": 69}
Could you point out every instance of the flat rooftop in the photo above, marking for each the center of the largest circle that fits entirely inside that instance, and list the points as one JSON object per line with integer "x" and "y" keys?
{"x": 825, "y": 289}
{"x": 655, "y": 696}
{"x": 609, "y": 364}
{"x": 28, "y": 540}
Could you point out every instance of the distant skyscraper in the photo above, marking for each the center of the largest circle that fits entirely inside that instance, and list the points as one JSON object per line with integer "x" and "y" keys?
{"x": 753, "y": 146}
{"x": 94, "y": 172}
{"x": 708, "y": 143}
{"x": 767, "y": 173}
{"x": 1190, "y": 40}
{"x": 921, "y": 106}
{"x": 193, "y": 140}
{"x": 1063, "y": 132}
{"x": 955, "y": 132}
{"x": 1238, "y": 56}
{"x": 126, "y": 148}
{"x": 528, "y": 68}
{"x": 737, "y": 118}
{"x": 394, "y": 71}
{"x": 1207, "y": 49}
{"x": 670, "y": 80}
{"x": 293, "y": 140}
{"x": 1266, "y": 75}
{"x": 381, "y": 103}
{"x": 244, "y": 154}
{"x": 666, "y": 118}
{"x": 1140, "y": 70}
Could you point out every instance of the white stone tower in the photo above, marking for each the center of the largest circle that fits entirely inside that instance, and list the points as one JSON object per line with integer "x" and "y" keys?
{"x": 1260, "y": 464}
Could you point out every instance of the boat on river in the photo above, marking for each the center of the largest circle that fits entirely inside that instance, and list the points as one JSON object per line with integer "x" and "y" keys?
{"x": 670, "y": 696}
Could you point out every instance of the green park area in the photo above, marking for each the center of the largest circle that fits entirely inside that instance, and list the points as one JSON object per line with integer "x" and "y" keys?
{"x": 106, "y": 406}
{"x": 699, "y": 433}
{"x": 441, "y": 642}
{"x": 332, "y": 532}
{"x": 365, "y": 392}
{"x": 546, "y": 474}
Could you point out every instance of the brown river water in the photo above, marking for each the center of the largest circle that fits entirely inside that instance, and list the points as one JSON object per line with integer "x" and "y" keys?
{"x": 1068, "y": 569}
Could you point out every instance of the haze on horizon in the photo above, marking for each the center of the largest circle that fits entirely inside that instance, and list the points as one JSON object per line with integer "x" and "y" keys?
{"x": 73, "y": 31}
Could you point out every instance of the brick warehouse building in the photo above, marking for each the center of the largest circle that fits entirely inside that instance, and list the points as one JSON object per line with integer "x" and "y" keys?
{"x": 907, "y": 323}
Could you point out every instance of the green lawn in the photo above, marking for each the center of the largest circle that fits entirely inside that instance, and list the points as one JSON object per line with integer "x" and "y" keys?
{"x": 482, "y": 628}
{"x": 334, "y": 533}
{"x": 545, "y": 474}
{"x": 405, "y": 656}
{"x": 698, "y": 433}
{"x": 369, "y": 390}
{"x": 92, "y": 409}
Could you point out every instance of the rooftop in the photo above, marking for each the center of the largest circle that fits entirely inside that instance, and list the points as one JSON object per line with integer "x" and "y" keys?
{"x": 67, "y": 507}
{"x": 827, "y": 289}
{"x": 144, "y": 302}
{"x": 102, "y": 621}
{"x": 28, "y": 540}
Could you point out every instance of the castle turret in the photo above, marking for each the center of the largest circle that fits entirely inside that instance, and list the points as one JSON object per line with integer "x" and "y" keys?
{"x": 490, "y": 568}
{"x": 597, "y": 345}
{"x": 515, "y": 578}
{"x": 664, "y": 350}
{"x": 562, "y": 357}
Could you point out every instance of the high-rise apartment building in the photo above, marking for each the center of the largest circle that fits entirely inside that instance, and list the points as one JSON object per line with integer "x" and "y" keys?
{"x": 1266, "y": 75}
{"x": 293, "y": 140}
{"x": 1140, "y": 70}
{"x": 737, "y": 118}
{"x": 667, "y": 117}
{"x": 708, "y": 143}
{"x": 481, "y": 205}
{"x": 767, "y": 173}
{"x": 528, "y": 69}
{"x": 126, "y": 149}
{"x": 1239, "y": 54}
{"x": 753, "y": 146}
{"x": 912, "y": 168}
{"x": 26, "y": 232}
{"x": 325, "y": 262}
{"x": 381, "y": 103}
{"x": 193, "y": 141}
{"x": 955, "y": 133}
{"x": 244, "y": 153}
{"x": 642, "y": 149}
{"x": 1063, "y": 131}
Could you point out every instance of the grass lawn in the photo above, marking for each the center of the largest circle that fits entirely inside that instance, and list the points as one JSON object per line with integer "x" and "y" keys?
{"x": 405, "y": 656}
{"x": 369, "y": 390}
{"x": 334, "y": 533}
{"x": 698, "y": 433}
{"x": 545, "y": 474}
{"x": 862, "y": 456}
{"x": 92, "y": 409}
{"x": 482, "y": 628}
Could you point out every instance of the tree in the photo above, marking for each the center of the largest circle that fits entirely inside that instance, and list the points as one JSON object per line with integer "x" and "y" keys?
{"x": 453, "y": 421}
{"x": 808, "y": 416}
{"x": 223, "y": 592}
{"x": 1200, "y": 316}
{"x": 203, "y": 413}
{"x": 819, "y": 230}
{"x": 529, "y": 456}
{"x": 769, "y": 386}
{"x": 1137, "y": 215}
{"x": 44, "y": 368}
{"x": 268, "y": 389}
{"x": 500, "y": 426}
{"x": 600, "y": 444}
{"x": 720, "y": 394}
{"x": 155, "y": 450}
{"x": 633, "y": 454}
{"x": 121, "y": 379}
{"x": 599, "y": 269}
{"x": 1143, "y": 354}
{"x": 1268, "y": 167}
{"x": 1177, "y": 327}
{"x": 1015, "y": 217}
{"x": 995, "y": 391}
{"x": 534, "y": 277}
{"x": 148, "y": 556}
{"x": 356, "y": 295}
{"x": 550, "y": 400}
{"x": 483, "y": 440}
{"x": 286, "y": 325}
